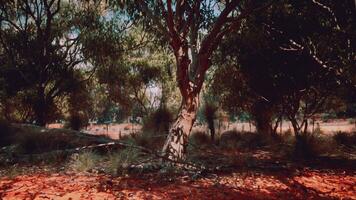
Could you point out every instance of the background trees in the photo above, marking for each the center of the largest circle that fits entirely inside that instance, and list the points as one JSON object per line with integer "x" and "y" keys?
{"x": 286, "y": 69}
{"x": 40, "y": 56}
{"x": 110, "y": 61}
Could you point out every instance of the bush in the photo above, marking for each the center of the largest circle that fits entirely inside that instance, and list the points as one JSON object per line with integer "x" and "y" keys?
{"x": 5, "y": 133}
{"x": 149, "y": 140}
{"x": 246, "y": 140}
{"x": 119, "y": 162}
{"x": 84, "y": 161}
{"x": 159, "y": 121}
{"x": 33, "y": 142}
{"x": 76, "y": 122}
{"x": 200, "y": 139}
{"x": 347, "y": 139}
{"x": 310, "y": 145}
{"x": 230, "y": 139}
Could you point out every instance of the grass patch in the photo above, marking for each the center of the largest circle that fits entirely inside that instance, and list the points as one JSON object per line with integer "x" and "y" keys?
{"x": 120, "y": 162}
{"x": 84, "y": 162}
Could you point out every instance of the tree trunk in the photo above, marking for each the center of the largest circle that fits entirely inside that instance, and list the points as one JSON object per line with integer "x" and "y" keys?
{"x": 262, "y": 114}
{"x": 212, "y": 130}
{"x": 176, "y": 144}
{"x": 40, "y": 115}
{"x": 295, "y": 126}
{"x": 40, "y": 108}
{"x": 274, "y": 132}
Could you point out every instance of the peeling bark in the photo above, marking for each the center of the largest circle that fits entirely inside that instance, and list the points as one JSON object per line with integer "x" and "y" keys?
{"x": 176, "y": 144}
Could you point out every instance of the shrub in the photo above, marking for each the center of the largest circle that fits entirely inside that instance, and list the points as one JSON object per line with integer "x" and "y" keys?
{"x": 5, "y": 133}
{"x": 76, "y": 122}
{"x": 84, "y": 161}
{"x": 33, "y": 142}
{"x": 119, "y": 162}
{"x": 200, "y": 139}
{"x": 311, "y": 145}
{"x": 344, "y": 138}
{"x": 230, "y": 139}
{"x": 159, "y": 121}
{"x": 246, "y": 140}
{"x": 149, "y": 140}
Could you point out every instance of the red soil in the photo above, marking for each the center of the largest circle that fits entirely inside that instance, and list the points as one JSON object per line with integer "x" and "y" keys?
{"x": 309, "y": 184}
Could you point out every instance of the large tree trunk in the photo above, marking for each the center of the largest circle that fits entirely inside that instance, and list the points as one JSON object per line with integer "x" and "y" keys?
{"x": 39, "y": 112}
{"x": 40, "y": 108}
{"x": 262, "y": 114}
{"x": 176, "y": 144}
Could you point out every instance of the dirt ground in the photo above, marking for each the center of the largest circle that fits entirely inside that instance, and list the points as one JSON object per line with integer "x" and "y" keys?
{"x": 305, "y": 184}
{"x": 262, "y": 175}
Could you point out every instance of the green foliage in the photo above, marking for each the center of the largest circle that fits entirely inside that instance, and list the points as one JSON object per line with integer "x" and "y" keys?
{"x": 79, "y": 106}
{"x": 130, "y": 78}
{"x": 264, "y": 66}
{"x": 42, "y": 60}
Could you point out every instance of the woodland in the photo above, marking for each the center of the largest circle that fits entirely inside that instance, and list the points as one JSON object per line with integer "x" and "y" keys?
{"x": 177, "y": 99}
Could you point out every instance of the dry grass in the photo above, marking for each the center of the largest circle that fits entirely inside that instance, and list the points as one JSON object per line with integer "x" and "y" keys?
{"x": 84, "y": 161}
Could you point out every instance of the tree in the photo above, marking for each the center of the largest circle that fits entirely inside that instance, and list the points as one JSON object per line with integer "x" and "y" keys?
{"x": 79, "y": 105}
{"x": 319, "y": 23}
{"x": 139, "y": 78}
{"x": 288, "y": 68}
{"x": 193, "y": 29}
{"x": 41, "y": 53}
{"x": 210, "y": 115}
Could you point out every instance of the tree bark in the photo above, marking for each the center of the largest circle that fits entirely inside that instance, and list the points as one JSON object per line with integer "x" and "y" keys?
{"x": 262, "y": 114}
{"x": 295, "y": 126}
{"x": 175, "y": 146}
{"x": 40, "y": 108}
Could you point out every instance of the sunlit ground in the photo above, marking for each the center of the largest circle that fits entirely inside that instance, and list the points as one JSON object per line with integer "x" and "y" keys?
{"x": 306, "y": 184}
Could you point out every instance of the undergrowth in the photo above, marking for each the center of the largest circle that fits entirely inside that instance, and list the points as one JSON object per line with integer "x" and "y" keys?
{"x": 84, "y": 161}
{"x": 120, "y": 161}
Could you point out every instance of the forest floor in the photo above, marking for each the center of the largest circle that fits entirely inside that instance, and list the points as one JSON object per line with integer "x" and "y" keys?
{"x": 230, "y": 173}
{"x": 307, "y": 184}
{"x": 265, "y": 180}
